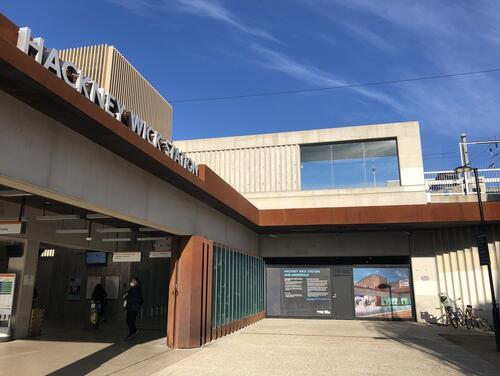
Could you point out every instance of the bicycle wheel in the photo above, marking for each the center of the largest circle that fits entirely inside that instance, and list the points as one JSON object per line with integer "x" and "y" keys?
{"x": 452, "y": 317}
{"x": 482, "y": 324}
{"x": 461, "y": 317}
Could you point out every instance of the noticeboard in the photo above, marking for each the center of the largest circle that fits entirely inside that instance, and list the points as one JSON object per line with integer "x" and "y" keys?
{"x": 301, "y": 292}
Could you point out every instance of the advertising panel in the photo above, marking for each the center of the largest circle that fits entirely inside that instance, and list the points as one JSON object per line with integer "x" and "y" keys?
{"x": 382, "y": 293}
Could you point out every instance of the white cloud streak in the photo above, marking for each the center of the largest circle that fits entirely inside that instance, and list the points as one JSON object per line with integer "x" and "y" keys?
{"x": 309, "y": 74}
{"x": 210, "y": 9}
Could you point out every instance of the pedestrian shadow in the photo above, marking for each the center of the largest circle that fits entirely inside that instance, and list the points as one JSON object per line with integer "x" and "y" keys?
{"x": 93, "y": 361}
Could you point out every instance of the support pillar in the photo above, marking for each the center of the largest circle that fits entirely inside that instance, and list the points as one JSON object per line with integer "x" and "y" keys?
{"x": 189, "y": 322}
{"x": 25, "y": 269}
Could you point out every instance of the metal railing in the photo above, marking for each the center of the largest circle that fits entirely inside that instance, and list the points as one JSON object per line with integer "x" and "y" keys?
{"x": 447, "y": 182}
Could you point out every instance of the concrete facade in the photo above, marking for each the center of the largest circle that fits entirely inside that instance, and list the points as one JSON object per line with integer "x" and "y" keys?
{"x": 266, "y": 168}
{"x": 57, "y": 163}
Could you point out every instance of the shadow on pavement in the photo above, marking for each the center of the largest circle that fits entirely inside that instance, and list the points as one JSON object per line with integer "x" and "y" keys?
{"x": 113, "y": 333}
{"x": 432, "y": 340}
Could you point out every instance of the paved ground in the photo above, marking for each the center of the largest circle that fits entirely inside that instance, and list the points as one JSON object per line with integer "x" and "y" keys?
{"x": 270, "y": 347}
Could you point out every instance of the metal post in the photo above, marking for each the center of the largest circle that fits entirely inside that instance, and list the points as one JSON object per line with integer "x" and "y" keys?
{"x": 494, "y": 310}
{"x": 465, "y": 159}
{"x": 390, "y": 298}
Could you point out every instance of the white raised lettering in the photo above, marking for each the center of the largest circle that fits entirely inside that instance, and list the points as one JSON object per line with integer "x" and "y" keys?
{"x": 52, "y": 62}
{"x": 30, "y": 47}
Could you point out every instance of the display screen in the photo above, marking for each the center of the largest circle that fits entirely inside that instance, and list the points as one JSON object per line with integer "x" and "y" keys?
{"x": 382, "y": 293}
{"x": 96, "y": 258}
{"x": 299, "y": 292}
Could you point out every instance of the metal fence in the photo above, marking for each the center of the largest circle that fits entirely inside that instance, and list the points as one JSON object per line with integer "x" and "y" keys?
{"x": 447, "y": 182}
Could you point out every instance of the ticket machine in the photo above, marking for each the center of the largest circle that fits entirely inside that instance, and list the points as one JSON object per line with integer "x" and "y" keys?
{"x": 7, "y": 284}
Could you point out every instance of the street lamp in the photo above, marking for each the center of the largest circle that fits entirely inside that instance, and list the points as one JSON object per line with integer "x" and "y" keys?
{"x": 484, "y": 256}
{"x": 384, "y": 286}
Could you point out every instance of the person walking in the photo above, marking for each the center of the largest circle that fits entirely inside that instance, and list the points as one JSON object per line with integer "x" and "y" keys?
{"x": 133, "y": 301}
{"x": 99, "y": 297}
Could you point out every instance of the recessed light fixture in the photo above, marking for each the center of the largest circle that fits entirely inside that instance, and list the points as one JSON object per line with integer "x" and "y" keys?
{"x": 14, "y": 193}
{"x": 73, "y": 231}
{"x": 57, "y": 217}
{"x": 145, "y": 239}
{"x": 116, "y": 240}
{"x": 97, "y": 216}
{"x": 113, "y": 230}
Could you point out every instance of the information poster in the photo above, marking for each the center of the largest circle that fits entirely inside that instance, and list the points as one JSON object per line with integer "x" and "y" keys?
{"x": 74, "y": 288}
{"x": 382, "y": 293}
{"x": 306, "y": 292}
{"x": 112, "y": 286}
{"x": 92, "y": 281}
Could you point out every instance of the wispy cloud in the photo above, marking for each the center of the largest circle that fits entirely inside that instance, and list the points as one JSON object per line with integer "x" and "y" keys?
{"x": 444, "y": 39}
{"x": 210, "y": 9}
{"x": 311, "y": 75}
{"x": 370, "y": 37}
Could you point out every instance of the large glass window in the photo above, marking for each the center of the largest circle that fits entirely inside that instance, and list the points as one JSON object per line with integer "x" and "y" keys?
{"x": 349, "y": 165}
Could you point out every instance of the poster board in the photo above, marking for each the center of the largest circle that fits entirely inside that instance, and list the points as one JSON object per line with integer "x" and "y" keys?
{"x": 127, "y": 257}
{"x": 112, "y": 286}
{"x": 92, "y": 281}
{"x": 74, "y": 289}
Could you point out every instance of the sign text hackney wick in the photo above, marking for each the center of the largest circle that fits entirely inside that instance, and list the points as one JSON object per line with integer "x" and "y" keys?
{"x": 85, "y": 85}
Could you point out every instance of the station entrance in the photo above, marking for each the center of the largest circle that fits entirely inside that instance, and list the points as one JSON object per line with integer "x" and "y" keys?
{"x": 342, "y": 288}
{"x": 59, "y": 254}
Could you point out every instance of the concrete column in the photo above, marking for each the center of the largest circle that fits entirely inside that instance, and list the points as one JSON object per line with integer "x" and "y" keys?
{"x": 25, "y": 269}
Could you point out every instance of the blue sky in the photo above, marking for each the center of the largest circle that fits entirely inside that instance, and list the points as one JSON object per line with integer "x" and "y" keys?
{"x": 203, "y": 48}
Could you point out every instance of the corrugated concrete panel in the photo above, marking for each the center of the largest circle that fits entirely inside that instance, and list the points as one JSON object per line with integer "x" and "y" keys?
{"x": 255, "y": 169}
{"x": 113, "y": 72}
{"x": 449, "y": 263}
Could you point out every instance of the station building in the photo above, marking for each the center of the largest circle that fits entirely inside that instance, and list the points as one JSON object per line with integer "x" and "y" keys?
{"x": 330, "y": 223}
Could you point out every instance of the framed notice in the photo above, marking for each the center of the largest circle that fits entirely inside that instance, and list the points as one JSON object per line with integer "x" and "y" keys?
{"x": 127, "y": 257}
{"x": 92, "y": 281}
{"x": 10, "y": 228}
{"x": 74, "y": 288}
{"x": 160, "y": 254}
{"x": 112, "y": 286}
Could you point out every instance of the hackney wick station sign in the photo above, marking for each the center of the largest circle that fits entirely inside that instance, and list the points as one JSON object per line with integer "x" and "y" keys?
{"x": 88, "y": 87}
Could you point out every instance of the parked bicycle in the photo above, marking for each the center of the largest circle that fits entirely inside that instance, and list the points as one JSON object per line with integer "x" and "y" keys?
{"x": 473, "y": 320}
{"x": 454, "y": 315}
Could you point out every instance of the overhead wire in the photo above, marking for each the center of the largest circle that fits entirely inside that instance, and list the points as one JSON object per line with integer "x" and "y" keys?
{"x": 346, "y": 86}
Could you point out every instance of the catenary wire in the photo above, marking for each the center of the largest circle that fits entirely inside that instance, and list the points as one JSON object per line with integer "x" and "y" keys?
{"x": 317, "y": 89}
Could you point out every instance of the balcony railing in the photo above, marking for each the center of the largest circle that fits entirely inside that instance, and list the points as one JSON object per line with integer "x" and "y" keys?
{"x": 447, "y": 182}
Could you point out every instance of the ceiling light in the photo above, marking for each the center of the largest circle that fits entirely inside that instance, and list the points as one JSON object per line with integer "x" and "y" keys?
{"x": 114, "y": 230}
{"x": 73, "y": 231}
{"x": 147, "y": 229}
{"x": 57, "y": 217}
{"x": 116, "y": 240}
{"x": 97, "y": 216}
{"x": 151, "y": 238}
{"x": 14, "y": 193}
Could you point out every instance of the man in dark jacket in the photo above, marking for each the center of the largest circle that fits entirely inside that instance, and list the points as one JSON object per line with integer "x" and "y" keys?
{"x": 134, "y": 301}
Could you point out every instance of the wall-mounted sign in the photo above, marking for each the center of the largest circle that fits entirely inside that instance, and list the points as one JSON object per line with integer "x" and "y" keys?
{"x": 10, "y": 228}
{"x": 127, "y": 257}
{"x": 160, "y": 254}
{"x": 85, "y": 85}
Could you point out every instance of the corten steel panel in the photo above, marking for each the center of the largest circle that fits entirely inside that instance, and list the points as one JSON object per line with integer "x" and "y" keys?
{"x": 397, "y": 214}
{"x": 172, "y": 294}
{"x": 208, "y": 319}
{"x": 188, "y": 310}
